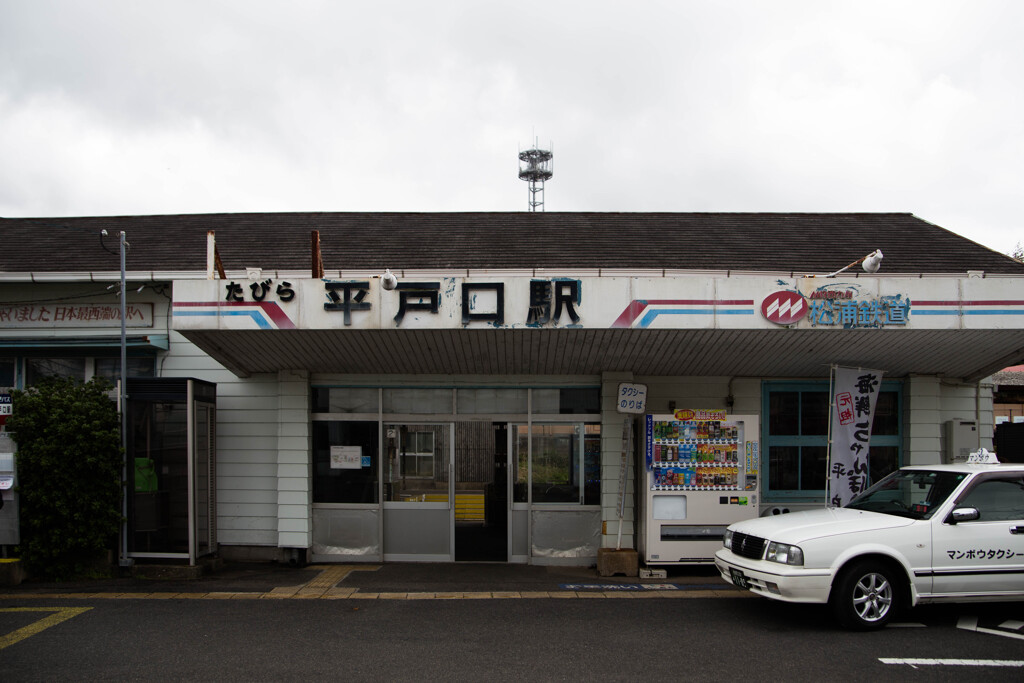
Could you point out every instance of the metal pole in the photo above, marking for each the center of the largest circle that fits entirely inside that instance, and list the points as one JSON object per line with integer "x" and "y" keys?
{"x": 124, "y": 560}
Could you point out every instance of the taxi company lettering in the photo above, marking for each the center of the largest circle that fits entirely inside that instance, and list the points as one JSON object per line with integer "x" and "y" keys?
{"x": 549, "y": 299}
{"x": 828, "y": 307}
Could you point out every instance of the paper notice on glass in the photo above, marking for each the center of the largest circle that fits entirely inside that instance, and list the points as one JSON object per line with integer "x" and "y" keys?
{"x": 346, "y": 457}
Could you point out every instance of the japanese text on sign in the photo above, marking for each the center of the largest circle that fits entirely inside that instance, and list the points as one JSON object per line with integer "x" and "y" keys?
{"x": 880, "y": 312}
{"x": 551, "y": 303}
{"x": 855, "y": 391}
{"x": 632, "y": 398}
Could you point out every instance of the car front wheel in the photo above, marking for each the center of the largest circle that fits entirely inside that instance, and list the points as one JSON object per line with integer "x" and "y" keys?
{"x": 865, "y": 596}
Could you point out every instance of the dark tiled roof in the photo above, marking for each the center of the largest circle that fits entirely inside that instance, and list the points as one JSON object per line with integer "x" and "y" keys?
{"x": 774, "y": 242}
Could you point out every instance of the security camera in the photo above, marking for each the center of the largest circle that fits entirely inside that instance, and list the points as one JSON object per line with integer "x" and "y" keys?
{"x": 388, "y": 280}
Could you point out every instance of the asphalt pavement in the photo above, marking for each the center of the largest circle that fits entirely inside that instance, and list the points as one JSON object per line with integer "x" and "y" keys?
{"x": 388, "y": 580}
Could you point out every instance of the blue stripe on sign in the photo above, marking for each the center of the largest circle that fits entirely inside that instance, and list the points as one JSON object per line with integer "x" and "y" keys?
{"x": 649, "y": 317}
{"x": 257, "y": 317}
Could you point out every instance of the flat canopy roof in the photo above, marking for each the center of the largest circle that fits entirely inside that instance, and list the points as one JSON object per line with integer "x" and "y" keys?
{"x": 960, "y": 328}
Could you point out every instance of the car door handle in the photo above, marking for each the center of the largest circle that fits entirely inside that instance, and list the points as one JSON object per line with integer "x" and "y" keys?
{"x": 1017, "y": 529}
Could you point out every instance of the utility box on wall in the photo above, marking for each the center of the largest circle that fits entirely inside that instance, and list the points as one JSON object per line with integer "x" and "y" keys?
{"x": 961, "y": 439}
{"x": 10, "y": 533}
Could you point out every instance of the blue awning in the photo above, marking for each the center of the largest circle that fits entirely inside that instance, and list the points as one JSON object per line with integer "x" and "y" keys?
{"x": 137, "y": 342}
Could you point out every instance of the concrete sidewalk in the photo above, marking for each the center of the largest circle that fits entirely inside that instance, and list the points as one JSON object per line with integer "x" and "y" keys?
{"x": 389, "y": 581}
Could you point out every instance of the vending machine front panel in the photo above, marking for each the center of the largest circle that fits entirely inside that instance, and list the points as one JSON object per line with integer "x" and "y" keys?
{"x": 701, "y": 475}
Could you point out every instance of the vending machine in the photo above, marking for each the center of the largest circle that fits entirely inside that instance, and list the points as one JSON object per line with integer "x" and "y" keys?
{"x": 701, "y": 476}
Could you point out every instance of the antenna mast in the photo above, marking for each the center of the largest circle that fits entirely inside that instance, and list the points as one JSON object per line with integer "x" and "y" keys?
{"x": 536, "y": 166}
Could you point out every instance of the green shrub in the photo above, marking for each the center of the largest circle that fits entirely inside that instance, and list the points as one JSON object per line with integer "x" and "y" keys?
{"x": 69, "y": 476}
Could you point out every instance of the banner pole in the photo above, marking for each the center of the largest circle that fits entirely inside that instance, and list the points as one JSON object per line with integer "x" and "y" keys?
{"x": 828, "y": 453}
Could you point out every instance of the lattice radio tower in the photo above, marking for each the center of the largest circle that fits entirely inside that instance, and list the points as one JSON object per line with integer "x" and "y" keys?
{"x": 535, "y": 166}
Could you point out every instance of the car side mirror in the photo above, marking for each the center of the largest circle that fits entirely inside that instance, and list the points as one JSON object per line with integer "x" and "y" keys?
{"x": 963, "y": 515}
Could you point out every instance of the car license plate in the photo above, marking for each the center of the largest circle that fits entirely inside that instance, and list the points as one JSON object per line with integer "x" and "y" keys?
{"x": 738, "y": 578}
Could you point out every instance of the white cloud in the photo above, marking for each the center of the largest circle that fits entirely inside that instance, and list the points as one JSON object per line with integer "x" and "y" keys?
{"x": 126, "y": 107}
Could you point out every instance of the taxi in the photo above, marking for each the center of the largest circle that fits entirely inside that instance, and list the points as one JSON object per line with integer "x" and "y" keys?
{"x": 938, "y": 533}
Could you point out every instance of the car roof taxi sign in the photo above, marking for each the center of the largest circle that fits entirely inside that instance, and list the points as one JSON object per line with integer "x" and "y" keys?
{"x": 784, "y": 307}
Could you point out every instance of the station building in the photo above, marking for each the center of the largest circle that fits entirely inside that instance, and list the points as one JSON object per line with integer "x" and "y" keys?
{"x": 289, "y": 401}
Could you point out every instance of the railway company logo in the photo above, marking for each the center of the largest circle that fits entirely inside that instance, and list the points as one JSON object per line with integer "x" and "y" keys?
{"x": 784, "y": 308}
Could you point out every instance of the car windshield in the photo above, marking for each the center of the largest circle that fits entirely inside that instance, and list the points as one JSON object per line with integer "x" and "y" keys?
{"x": 916, "y": 494}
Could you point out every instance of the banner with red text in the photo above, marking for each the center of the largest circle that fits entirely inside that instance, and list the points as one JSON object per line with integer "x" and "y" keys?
{"x": 854, "y": 394}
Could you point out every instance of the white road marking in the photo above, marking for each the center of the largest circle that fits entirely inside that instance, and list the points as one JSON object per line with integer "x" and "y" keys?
{"x": 1016, "y": 663}
{"x": 971, "y": 624}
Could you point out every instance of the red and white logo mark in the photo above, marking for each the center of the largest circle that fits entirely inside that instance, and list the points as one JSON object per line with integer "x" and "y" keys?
{"x": 784, "y": 308}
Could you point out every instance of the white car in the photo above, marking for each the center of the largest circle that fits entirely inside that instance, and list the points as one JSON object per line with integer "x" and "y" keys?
{"x": 922, "y": 534}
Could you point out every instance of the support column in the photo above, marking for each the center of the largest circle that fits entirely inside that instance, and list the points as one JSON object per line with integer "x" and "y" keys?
{"x": 922, "y": 444}
{"x": 611, "y": 458}
{"x": 294, "y": 480}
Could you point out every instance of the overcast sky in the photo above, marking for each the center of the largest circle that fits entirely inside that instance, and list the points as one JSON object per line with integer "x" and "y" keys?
{"x": 137, "y": 107}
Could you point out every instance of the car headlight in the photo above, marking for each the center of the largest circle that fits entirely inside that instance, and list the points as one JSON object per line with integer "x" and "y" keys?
{"x": 727, "y": 539}
{"x": 783, "y": 553}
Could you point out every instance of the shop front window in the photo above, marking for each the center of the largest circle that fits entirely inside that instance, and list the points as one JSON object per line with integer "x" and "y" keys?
{"x": 6, "y": 372}
{"x": 345, "y": 462}
{"x": 796, "y": 438}
{"x": 38, "y": 368}
{"x": 557, "y": 463}
{"x": 110, "y": 368}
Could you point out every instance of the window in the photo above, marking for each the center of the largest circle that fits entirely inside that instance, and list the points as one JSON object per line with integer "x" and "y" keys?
{"x": 110, "y": 368}
{"x": 997, "y": 500}
{"x": 38, "y": 368}
{"x": 566, "y": 463}
{"x": 796, "y": 437}
{"x": 417, "y": 452}
{"x": 6, "y": 372}
{"x": 345, "y": 462}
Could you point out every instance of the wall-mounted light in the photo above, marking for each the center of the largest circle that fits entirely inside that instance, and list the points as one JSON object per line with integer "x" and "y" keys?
{"x": 388, "y": 280}
{"x": 871, "y": 263}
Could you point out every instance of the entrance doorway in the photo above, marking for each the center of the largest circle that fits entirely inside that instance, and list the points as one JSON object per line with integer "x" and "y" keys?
{"x": 481, "y": 492}
{"x": 446, "y": 491}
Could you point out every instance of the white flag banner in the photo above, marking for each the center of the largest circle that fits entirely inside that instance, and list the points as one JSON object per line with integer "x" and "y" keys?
{"x": 854, "y": 394}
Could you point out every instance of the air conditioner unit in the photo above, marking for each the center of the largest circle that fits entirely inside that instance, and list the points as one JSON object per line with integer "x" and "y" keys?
{"x": 961, "y": 439}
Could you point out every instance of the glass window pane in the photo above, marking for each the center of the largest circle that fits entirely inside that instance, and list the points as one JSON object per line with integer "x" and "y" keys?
{"x": 6, "y": 372}
{"x": 38, "y": 368}
{"x": 521, "y": 458}
{"x": 338, "y": 479}
{"x": 416, "y": 463}
{"x": 555, "y": 464}
{"x": 158, "y": 477}
{"x": 887, "y": 418}
{"x": 491, "y": 401}
{"x": 784, "y": 468}
{"x": 579, "y": 401}
{"x": 784, "y": 413}
{"x": 998, "y": 500}
{"x": 881, "y": 461}
{"x": 813, "y": 464}
{"x": 567, "y": 401}
{"x": 421, "y": 401}
{"x": 546, "y": 401}
{"x": 344, "y": 400}
{"x": 814, "y": 407}
{"x": 110, "y": 368}
{"x": 592, "y": 465}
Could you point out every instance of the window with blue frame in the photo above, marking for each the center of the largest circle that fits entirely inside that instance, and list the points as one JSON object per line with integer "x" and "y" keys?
{"x": 795, "y": 446}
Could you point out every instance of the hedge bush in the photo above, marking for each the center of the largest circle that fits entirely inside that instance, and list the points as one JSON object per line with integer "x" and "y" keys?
{"x": 69, "y": 476}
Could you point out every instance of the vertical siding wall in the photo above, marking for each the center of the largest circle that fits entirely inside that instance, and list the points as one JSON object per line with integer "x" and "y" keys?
{"x": 929, "y": 403}
{"x": 248, "y": 428}
{"x": 686, "y": 392}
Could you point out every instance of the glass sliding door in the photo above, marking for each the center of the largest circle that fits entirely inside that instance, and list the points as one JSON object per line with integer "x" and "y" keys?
{"x": 418, "y": 491}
